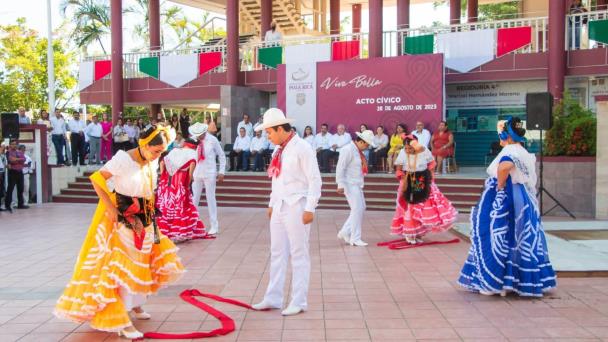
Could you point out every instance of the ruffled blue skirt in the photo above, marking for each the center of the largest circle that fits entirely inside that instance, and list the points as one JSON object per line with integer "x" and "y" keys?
{"x": 508, "y": 246}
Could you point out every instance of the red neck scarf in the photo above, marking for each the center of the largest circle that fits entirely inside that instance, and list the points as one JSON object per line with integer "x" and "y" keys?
{"x": 201, "y": 150}
{"x": 274, "y": 170}
{"x": 363, "y": 160}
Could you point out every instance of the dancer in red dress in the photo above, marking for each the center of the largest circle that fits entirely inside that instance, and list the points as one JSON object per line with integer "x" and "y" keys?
{"x": 421, "y": 207}
{"x": 179, "y": 219}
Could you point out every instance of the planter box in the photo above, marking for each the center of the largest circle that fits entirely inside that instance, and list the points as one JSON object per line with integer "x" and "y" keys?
{"x": 571, "y": 180}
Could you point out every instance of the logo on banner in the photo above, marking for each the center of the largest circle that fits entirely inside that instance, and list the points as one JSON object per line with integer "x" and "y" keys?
{"x": 301, "y": 99}
{"x": 299, "y": 75}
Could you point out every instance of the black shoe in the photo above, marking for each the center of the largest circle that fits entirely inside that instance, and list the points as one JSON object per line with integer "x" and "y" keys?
{"x": 9, "y": 209}
{"x": 23, "y": 207}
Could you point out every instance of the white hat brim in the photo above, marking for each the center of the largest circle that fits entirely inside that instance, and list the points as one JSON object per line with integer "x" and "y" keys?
{"x": 273, "y": 124}
{"x": 370, "y": 142}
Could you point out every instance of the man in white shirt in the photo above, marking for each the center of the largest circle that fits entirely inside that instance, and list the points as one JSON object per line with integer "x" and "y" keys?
{"x": 296, "y": 189}
{"x": 94, "y": 132}
{"x": 423, "y": 135}
{"x": 339, "y": 140}
{"x": 350, "y": 170}
{"x": 132, "y": 132}
{"x": 240, "y": 152}
{"x": 259, "y": 146}
{"x": 23, "y": 119}
{"x": 77, "y": 127}
{"x": 323, "y": 145}
{"x": 205, "y": 173}
{"x": 272, "y": 36}
{"x": 246, "y": 124}
{"x": 58, "y": 133}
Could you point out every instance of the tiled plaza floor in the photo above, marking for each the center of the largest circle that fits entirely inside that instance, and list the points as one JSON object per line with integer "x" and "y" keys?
{"x": 357, "y": 294}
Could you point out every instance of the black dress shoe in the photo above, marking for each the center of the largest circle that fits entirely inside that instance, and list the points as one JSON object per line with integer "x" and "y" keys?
{"x": 9, "y": 209}
{"x": 23, "y": 207}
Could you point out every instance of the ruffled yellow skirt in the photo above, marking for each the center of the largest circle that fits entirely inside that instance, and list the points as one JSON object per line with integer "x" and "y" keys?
{"x": 109, "y": 264}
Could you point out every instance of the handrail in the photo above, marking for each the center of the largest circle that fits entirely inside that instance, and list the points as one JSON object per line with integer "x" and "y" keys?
{"x": 577, "y": 35}
{"x": 212, "y": 20}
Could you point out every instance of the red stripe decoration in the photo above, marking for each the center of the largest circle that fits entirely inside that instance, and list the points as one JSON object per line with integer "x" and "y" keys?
{"x": 226, "y": 321}
{"x": 208, "y": 61}
{"x": 511, "y": 39}
{"x": 345, "y": 50}
{"x": 403, "y": 244}
{"x": 102, "y": 69}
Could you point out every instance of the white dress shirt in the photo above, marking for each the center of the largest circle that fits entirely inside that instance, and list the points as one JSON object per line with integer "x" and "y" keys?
{"x": 94, "y": 130}
{"x": 131, "y": 131}
{"x": 424, "y": 138}
{"x": 340, "y": 140}
{"x": 273, "y": 36}
{"x": 349, "y": 168}
{"x": 258, "y": 144}
{"x": 323, "y": 141}
{"x": 76, "y": 126}
{"x": 24, "y": 120}
{"x": 242, "y": 143}
{"x": 311, "y": 141}
{"x": 422, "y": 160}
{"x": 208, "y": 167}
{"x": 299, "y": 177}
{"x": 58, "y": 125}
{"x": 247, "y": 126}
{"x": 380, "y": 142}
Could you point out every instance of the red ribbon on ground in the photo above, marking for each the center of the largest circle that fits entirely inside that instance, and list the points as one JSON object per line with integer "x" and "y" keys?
{"x": 403, "y": 244}
{"x": 227, "y": 322}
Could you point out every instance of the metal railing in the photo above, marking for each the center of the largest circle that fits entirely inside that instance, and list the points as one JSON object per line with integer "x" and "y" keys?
{"x": 577, "y": 32}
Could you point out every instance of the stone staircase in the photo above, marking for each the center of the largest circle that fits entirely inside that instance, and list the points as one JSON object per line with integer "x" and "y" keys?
{"x": 243, "y": 189}
{"x": 284, "y": 13}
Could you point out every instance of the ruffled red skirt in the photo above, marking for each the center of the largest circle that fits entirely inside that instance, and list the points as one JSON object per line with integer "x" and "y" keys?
{"x": 435, "y": 215}
{"x": 179, "y": 219}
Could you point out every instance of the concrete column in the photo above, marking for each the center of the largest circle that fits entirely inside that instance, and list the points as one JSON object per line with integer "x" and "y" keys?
{"x": 601, "y": 160}
{"x": 557, "y": 53}
{"x": 266, "y": 16}
{"x": 472, "y": 11}
{"x": 116, "y": 75}
{"x": 375, "y": 28}
{"x": 316, "y": 15}
{"x": 232, "y": 42}
{"x": 403, "y": 14}
{"x": 455, "y": 12}
{"x": 356, "y": 13}
{"x": 334, "y": 16}
{"x": 323, "y": 16}
{"x": 154, "y": 28}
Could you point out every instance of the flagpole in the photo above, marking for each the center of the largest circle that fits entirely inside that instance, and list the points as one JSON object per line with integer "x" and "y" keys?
{"x": 50, "y": 61}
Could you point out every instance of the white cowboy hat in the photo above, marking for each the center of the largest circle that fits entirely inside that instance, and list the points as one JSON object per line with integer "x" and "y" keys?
{"x": 197, "y": 129}
{"x": 367, "y": 136}
{"x": 273, "y": 117}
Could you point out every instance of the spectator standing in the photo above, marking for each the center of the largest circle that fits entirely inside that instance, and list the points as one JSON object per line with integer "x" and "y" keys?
{"x": 575, "y": 23}
{"x": 272, "y": 36}
{"x": 120, "y": 136}
{"x": 323, "y": 147}
{"x": 210, "y": 122}
{"x": 16, "y": 161}
{"x": 94, "y": 131}
{"x": 106, "y": 138}
{"x": 77, "y": 139}
{"x": 28, "y": 171}
{"x": 259, "y": 148}
{"x": 239, "y": 156}
{"x": 58, "y": 136}
{"x": 423, "y": 135}
{"x": 44, "y": 120}
{"x": 247, "y": 125}
{"x": 184, "y": 123}
{"x": 3, "y": 170}
{"x": 381, "y": 147}
{"x": 132, "y": 133}
{"x": 23, "y": 118}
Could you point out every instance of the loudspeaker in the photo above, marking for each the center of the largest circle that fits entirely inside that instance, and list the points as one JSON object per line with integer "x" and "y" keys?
{"x": 539, "y": 111}
{"x": 10, "y": 125}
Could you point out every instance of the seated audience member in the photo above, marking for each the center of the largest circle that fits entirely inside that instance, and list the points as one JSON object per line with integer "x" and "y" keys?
{"x": 309, "y": 136}
{"x": 339, "y": 140}
{"x": 323, "y": 148}
{"x": 239, "y": 156}
{"x": 378, "y": 153}
{"x": 442, "y": 143}
{"x": 259, "y": 148}
{"x": 423, "y": 135}
{"x": 396, "y": 145}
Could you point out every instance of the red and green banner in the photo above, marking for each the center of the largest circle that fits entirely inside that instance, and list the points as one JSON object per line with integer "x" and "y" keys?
{"x": 208, "y": 61}
{"x": 418, "y": 45}
{"x": 598, "y": 31}
{"x": 271, "y": 56}
{"x": 341, "y": 51}
{"x": 511, "y": 39}
{"x": 149, "y": 66}
{"x": 91, "y": 71}
{"x": 178, "y": 70}
{"x": 102, "y": 69}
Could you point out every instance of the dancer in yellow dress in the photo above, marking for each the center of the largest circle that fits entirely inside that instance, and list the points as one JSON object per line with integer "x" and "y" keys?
{"x": 123, "y": 258}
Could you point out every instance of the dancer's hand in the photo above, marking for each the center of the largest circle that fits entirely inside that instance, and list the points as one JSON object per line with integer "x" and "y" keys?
{"x": 112, "y": 214}
{"x": 220, "y": 178}
{"x": 340, "y": 191}
{"x": 269, "y": 212}
{"x": 308, "y": 217}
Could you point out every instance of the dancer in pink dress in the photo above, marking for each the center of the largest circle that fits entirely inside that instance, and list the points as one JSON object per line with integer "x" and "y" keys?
{"x": 421, "y": 207}
{"x": 179, "y": 219}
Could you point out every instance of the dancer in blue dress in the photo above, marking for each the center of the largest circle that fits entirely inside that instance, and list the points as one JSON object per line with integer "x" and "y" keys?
{"x": 508, "y": 247}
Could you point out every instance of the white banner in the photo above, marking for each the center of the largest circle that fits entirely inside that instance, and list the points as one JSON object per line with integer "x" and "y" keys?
{"x": 85, "y": 75}
{"x": 307, "y": 53}
{"x": 177, "y": 70}
{"x": 301, "y": 94}
{"x": 467, "y": 50}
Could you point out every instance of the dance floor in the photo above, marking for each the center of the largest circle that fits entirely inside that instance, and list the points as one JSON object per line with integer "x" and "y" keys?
{"x": 357, "y": 293}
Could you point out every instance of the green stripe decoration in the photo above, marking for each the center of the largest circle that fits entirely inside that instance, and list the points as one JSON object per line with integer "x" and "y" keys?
{"x": 598, "y": 31}
{"x": 271, "y": 56}
{"x": 418, "y": 45}
{"x": 149, "y": 66}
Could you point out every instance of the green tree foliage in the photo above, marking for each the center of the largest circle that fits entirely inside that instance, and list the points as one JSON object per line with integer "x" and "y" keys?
{"x": 91, "y": 20}
{"x": 24, "y": 57}
{"x": 574, "y": 130}
{"x": 488, "y": 12}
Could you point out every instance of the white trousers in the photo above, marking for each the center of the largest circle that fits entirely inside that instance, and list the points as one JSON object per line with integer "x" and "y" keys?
{"x": 356, "y": 202}
{"x": 209, "y": 185}
{"x": 289, "y": 237}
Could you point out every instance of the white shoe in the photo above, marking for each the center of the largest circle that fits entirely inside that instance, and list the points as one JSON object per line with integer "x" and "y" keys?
{"x": 142, "y": 315}
{"x": 264, "y": 306}
{"x": 487, "y": 293}
{"x": 343, "y": 237}
{"x": 131, "y": 335}
{"x": 292, "y": 310}
{"x": 213, "y": 231}
{"x": 358, "y": 243}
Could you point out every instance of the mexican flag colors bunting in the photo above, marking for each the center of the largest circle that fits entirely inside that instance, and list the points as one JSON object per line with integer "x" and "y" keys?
{"x": 91, "y": 71}
{"x": 178, "y": 70}
{"x": 598, "y": 31}
{"x": 345, "y": 50}
{"x": 465, "y": 51}
{"x": 418, "y": 45}
{"x": 270, "y": 56}
{"x": 149, "y": 66}
{"x": 511, "y": 39}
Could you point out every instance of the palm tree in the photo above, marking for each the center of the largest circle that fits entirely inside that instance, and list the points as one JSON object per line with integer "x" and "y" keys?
{"x": 169, "y": 16}
{"x": 91, "y": 19}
